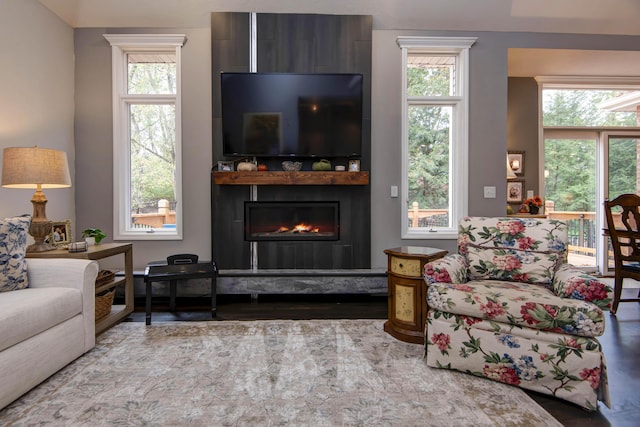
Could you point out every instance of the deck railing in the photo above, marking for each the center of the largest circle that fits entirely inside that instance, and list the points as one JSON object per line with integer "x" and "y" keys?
{"x": 582, "y": 233}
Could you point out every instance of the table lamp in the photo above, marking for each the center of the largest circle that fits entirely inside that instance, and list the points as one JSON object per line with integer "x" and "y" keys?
{"x": 35, "y": 167}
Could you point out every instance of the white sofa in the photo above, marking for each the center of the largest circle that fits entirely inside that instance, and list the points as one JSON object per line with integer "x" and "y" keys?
{"x": 47, "y": 325}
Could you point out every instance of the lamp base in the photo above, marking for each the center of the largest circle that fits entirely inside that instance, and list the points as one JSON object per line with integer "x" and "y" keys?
{"x": 40, "y": 229}
{"x": 40, "y": 247}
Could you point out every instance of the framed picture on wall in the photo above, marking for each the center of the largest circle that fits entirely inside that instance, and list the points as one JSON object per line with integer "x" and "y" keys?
{"x": 515, "y": 187}
{"x": 516, "y": 162}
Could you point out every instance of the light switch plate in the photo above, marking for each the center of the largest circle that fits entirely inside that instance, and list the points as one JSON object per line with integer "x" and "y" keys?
{"x": 489, "y": 192}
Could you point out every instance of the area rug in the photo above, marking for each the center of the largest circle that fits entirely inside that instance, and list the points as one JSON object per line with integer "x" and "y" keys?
{"x": 265, "y": 373}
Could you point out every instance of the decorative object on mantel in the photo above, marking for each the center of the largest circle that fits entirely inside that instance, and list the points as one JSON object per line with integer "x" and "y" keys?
{"x": 35, "y": 167}
{"x": 225, "y": 166}
{"x": 290, "y": 166}
{"x": 532, "y": 205}
{"x": 354, "y": 165}
{"x": 247, "y": 166}
{"x": 93, "y": 235}
{"x": 340, "y": 168}
{"x": 321, "y": 165}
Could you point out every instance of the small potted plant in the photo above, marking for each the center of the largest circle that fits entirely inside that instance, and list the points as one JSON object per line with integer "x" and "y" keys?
{"x": 533, "y": 204}
{"x": 93, "y": 235}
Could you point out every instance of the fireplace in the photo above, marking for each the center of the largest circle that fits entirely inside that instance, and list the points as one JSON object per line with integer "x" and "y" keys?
{"x": 291, "y": 221}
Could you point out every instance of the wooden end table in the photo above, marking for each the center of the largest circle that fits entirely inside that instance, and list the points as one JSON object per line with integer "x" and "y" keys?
{"x": 98, "y": 252}
{"x": 407, "y": 303}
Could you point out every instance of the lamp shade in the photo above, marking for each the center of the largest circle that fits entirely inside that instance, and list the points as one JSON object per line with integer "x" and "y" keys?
{"x": 28, "y": 167}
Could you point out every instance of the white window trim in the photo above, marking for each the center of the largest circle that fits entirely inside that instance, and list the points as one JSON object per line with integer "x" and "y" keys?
{"x": 121, "y": 45}
{"x": 459, "y": 160}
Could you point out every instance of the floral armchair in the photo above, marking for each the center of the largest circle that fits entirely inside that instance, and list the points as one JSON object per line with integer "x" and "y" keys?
{"x": 509, "y": 308}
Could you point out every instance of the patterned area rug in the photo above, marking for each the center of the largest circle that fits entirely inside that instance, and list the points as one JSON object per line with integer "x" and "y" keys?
{"x": 259, "y": 373}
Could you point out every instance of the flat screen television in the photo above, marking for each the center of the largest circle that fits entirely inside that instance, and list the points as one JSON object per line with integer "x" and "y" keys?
{"x": 291, "y": 115}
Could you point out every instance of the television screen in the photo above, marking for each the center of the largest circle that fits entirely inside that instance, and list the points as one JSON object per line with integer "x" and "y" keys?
{"x": 301, "y": 115}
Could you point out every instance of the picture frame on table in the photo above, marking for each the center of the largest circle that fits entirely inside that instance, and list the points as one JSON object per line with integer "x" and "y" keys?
{"x": 516, "y": 161}
{"x": 515, "y": 188}
{"x": 354, "y": 165}
{"x": 60, "y": 235}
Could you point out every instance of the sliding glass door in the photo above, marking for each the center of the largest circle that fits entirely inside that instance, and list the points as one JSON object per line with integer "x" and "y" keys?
{"x": 583, "y": 168}
{"x": 570, "y": 190}
{"x": 589, "y": 152}
{"x": 622, "y": 175}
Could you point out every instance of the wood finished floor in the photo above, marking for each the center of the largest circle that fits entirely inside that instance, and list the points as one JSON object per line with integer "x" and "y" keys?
{"x": 621, "y": 343}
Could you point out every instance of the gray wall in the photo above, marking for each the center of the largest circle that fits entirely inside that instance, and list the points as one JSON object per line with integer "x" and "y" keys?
{"x": 43, "y": 114}
{"x": 522, "y": 128}
{"x": 36, "y": 96}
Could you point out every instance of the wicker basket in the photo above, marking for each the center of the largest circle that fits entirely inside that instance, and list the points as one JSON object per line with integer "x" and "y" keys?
{"x": 105, "y": 276}
{"x": 104, "y": 301}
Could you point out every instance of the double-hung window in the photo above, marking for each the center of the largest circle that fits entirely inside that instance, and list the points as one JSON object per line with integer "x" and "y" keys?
{"x": 434, "y": 135}
{"x": 147, "y": 136}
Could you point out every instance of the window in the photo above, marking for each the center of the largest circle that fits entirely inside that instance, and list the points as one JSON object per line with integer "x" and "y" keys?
{"x": 434, "y": 135}
{"x": 147, "y": 136}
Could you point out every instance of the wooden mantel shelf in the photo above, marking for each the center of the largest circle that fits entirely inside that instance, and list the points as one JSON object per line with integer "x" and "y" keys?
{"x": 291, "y": 178}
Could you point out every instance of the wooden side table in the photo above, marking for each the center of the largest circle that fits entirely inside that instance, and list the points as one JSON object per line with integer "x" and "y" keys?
{"x": 97, "y": 252}
{"x": 408, "y": 291}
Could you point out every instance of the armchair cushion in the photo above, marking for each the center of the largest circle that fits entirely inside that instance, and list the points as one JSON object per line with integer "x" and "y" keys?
{"x": 13, "y": 245}
{"x": 511, "y": 264}
{"x": 521, "y": 304}
{"x": 544, "y": 235}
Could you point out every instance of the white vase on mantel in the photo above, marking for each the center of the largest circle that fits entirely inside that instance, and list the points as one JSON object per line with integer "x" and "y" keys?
{"x": 90, "y": 241}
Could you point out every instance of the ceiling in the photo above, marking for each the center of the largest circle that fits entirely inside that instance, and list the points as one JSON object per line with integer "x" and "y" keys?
{"x": 549, "y": 16}
{"x": 614, "y": 17}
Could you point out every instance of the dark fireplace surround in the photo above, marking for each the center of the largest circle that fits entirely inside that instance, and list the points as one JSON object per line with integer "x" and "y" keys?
{"x": 341, "y": 214}
{"x": 331, "y": 44}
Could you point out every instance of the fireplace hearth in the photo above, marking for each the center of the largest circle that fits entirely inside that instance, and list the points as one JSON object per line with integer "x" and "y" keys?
{"x": 291, "y": 221}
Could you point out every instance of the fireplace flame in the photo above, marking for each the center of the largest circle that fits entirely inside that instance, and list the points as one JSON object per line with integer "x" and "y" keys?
{"x": 299, "y": 228}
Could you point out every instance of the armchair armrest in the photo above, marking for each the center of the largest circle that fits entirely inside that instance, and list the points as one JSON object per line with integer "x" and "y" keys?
{"x": 450, "y": 269}
{"x": 570, "y": 282}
